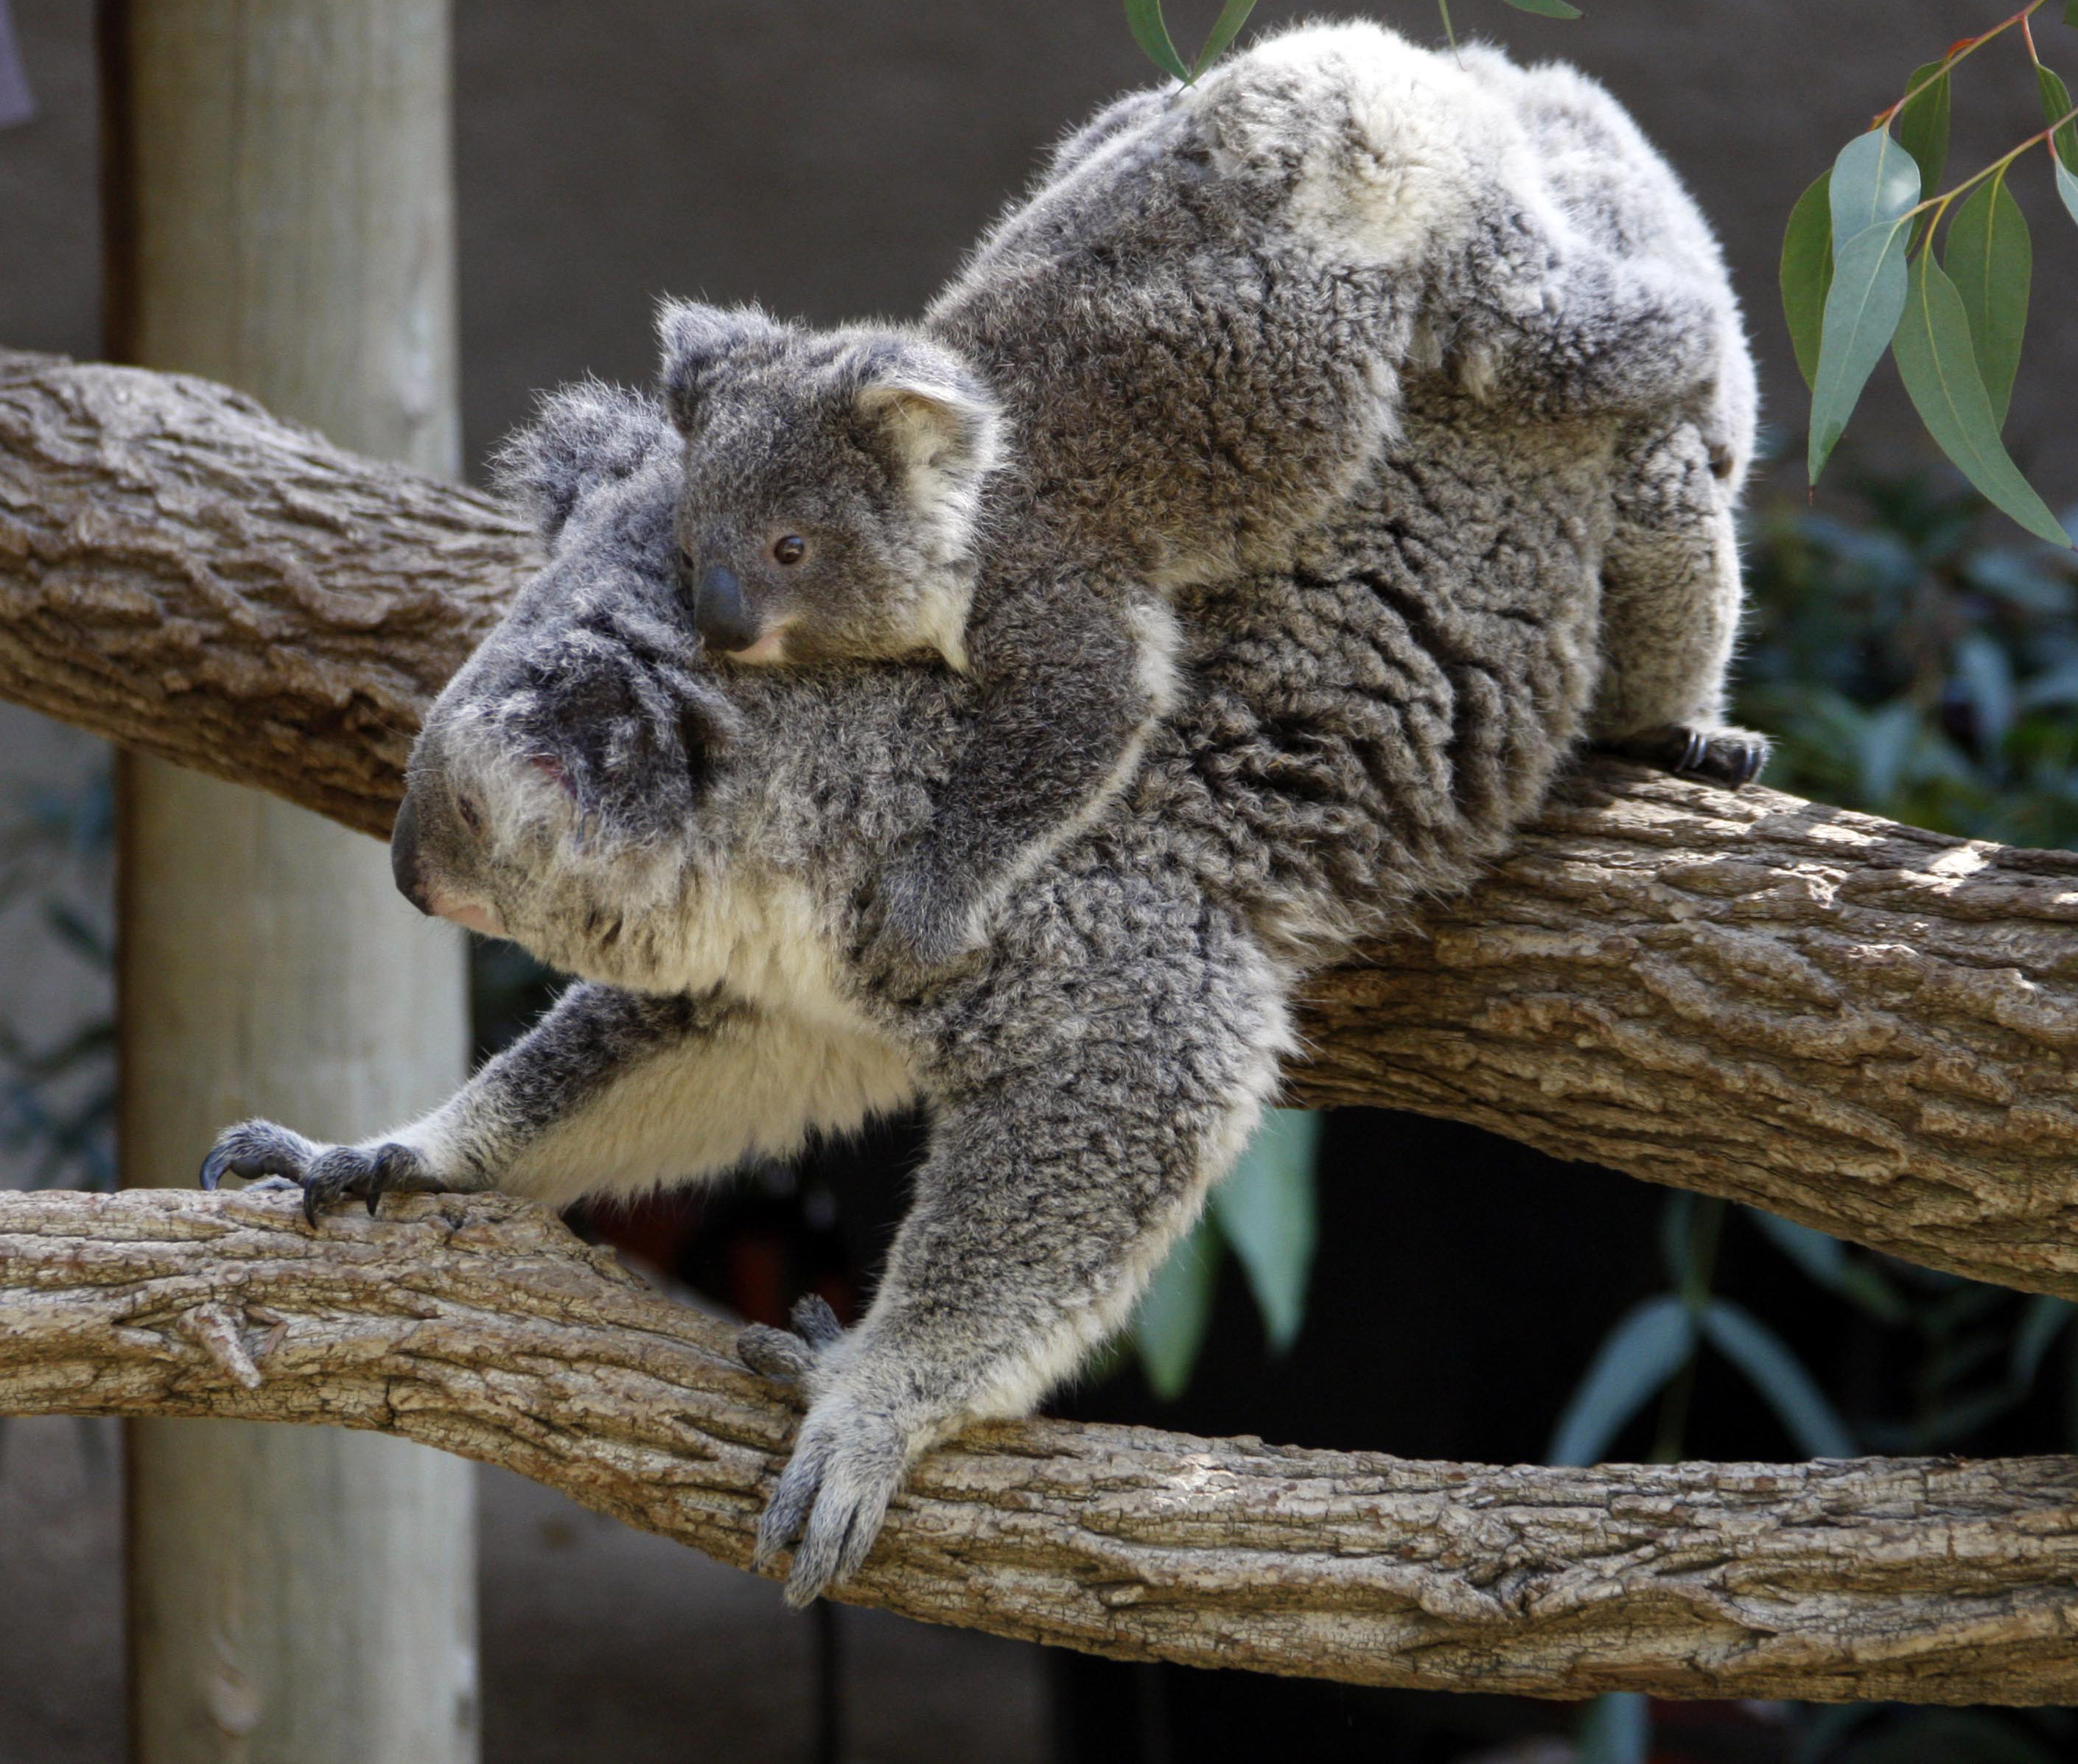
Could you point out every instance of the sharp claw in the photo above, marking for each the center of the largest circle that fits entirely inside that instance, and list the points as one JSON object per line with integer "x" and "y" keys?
{"x": 310, "y": 1204}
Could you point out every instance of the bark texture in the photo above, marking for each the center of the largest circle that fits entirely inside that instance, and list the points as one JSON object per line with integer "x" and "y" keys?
{"x": 1871, "y": 1029}
{"x": 482, "y": 1327}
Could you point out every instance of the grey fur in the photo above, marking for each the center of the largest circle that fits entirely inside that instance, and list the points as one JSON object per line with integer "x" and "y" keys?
{"x": 1360, "y": 724}
{"x": 1179, "y": 353}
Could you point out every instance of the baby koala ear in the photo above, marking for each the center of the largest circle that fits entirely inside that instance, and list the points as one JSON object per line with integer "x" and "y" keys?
{"x": 942, "y": 426}
{"x": 581, "y": 437}
{"x": 696, "y": 341}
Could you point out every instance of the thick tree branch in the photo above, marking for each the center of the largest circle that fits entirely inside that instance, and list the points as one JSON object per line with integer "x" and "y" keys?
{"x": 482, "y": 1327}
{"x": 1869, "y": 1028}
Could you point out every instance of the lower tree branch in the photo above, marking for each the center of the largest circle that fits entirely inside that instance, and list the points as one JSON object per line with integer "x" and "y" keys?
{"x": 1871, "y": 1029}
{"x": 480, "y": 1326}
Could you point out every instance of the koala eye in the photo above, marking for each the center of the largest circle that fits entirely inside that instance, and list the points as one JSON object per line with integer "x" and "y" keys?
{"x": 790, "y": 550}
{"x": 472, "y": 816}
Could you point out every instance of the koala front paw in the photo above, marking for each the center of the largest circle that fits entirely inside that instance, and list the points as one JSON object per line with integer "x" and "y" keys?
{"x": 849, "y": 1458}
{"x": 325, "y": 1173}
{"x": 925, "y": 916}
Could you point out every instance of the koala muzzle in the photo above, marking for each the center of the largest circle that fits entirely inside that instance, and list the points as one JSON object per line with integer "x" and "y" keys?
{"x": 404, "y": 857}
{"x": 722, "y": 620}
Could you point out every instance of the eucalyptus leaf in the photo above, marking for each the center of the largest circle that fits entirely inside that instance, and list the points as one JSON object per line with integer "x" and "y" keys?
{"x": 1922, "y": 129}
{"x": 2044, "y": 1319}
{"x": 1169, "y": 1328}
{"x": 1822, "y": 1257}
{"x": 1874, "y": 180}
{"x": 1863, "y": 308}
{"x": 1615, "y": 1729}
{"x": 1267, "y": 1211}
{"x": 1874, "y": 184}
{"x": 1807, "y": 274}
{"x": 2056, "y": 106}
{"x": 1546, "y": 8}
{"x": 1225, "y": 28}
{"x": 1991, "y": 260}
{"x": 1144, "y": 19}
{"x": 1938, "y": 361}
{"x": 1649, "y": 1343}
{"x": 2067, "y": 187}
{"x": 1780, "y": 1377}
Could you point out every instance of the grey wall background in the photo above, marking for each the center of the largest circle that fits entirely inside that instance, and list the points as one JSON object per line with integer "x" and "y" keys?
{"x": 832, "y": 160}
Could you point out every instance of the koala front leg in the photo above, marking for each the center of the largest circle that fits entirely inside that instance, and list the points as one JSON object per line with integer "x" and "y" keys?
{"x": 610, "y": 1092}
{"x": 1087, "y": 1107}
{"x": 1075, "y": 665}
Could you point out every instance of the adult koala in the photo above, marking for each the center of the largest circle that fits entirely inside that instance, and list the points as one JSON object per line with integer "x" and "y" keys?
{"x": 1363, "y": 724}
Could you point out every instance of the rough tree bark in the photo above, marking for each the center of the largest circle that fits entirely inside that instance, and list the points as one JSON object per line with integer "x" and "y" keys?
{"x": 1870, "y": 1029}
{"x": 482, "y": 1327}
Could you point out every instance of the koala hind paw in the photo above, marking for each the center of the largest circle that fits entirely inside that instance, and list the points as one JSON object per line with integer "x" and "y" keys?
{"x": 1731, "y": 757}
{"x": 848, "y": 1460}
{"x": 278, "y": 1157}
{"x": 832, "y": 1499}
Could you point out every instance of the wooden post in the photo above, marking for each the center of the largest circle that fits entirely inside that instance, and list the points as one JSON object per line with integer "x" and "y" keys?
{"x": 280, "y": 216}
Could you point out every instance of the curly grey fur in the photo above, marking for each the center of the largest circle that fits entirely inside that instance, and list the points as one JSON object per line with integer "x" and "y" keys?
{"x": 1359, "y": 724}
{"x": 1177, "y": 354}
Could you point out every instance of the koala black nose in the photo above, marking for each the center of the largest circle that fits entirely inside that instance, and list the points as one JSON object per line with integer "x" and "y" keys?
{"x": 404, "y": 865}
{"x": 722, "y": 620}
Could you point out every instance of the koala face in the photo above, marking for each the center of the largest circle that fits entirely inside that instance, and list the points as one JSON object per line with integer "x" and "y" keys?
{"x": 832, "y": 486}
{"x": 555, "y": 791}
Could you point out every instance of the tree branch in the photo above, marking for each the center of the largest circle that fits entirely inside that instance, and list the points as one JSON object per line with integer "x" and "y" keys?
{"x": 1868, "y": 1029}
{"x": 480, "y": 1326}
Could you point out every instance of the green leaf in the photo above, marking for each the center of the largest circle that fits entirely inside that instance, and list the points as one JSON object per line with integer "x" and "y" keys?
{"x": 1546, "y": 8}
{"x": 1649, "y": 1344}
{"x": 1923, "y": 128}
{"x": 1863, "y": 308}
{"x": 1937, "y": 360}
{"x": 1807, "y": 272}
{"x": 2067, "y": 187}
{"x": 1874, "y": 180}
{"x": 2056, "y": 106}
{"x": 1776, "y": 1373}
{"x": 1169, "y": 1328}
{"x": 1823, "y": 1258}
{"x": 1266, "y": 1210}
{"x": 1144, "y": 19}
{"x": 1874, "y": 184}
{"x": 1615, "y": 1729}
{"x": 1991, "y": 260}
{"x": 2044, "y": 1319}
{"x": 2070, "y": 12}
{"x": 1225, "y": 28}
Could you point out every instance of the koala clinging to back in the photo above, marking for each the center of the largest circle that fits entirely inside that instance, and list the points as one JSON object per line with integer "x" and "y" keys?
{"x": 1177, "y": 356}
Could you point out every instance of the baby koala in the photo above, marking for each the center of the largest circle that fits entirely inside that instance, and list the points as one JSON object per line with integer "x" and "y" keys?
{"x": 1175, "y": 357}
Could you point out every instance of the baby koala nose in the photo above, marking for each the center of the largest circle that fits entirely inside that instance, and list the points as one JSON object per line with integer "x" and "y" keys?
{"x": 720, "y": 615}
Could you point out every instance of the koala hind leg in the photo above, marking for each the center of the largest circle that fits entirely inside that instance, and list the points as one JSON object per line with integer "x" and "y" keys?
{"x": 1670, "y": 612}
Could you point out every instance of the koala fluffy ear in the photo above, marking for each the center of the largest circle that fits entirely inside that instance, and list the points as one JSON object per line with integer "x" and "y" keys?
{"x": 696, "y": 339}
{"x": 581, "y": 437}
{"x": 943, "y": 428}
